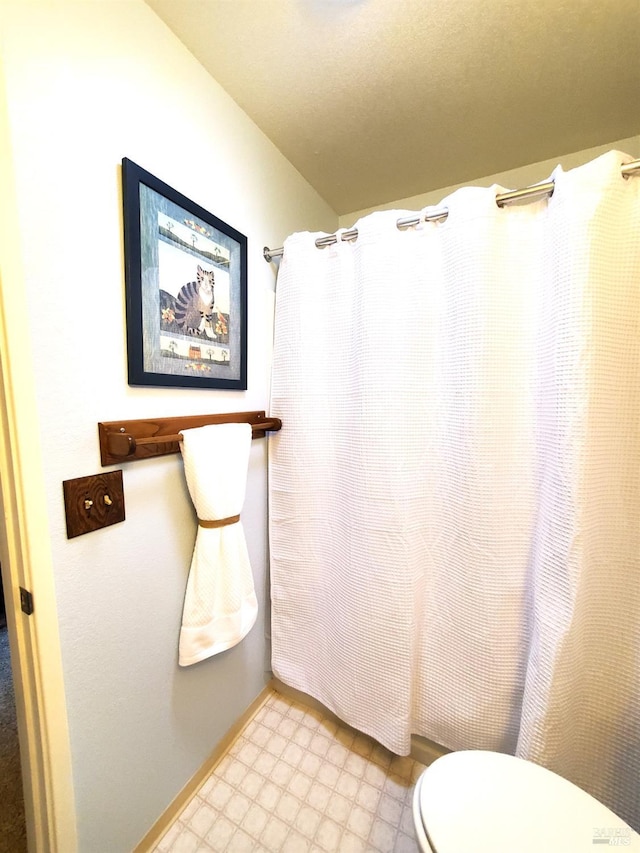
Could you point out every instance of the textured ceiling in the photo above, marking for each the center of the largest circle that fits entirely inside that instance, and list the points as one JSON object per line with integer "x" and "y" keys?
{"x": 376, "y": 100}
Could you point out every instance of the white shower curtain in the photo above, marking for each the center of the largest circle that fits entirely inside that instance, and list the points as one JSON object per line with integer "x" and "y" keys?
{"x": 455, "y": 492}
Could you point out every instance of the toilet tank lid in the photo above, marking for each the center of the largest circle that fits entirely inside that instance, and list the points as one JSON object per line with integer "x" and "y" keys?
{"x": 485, "y": 801}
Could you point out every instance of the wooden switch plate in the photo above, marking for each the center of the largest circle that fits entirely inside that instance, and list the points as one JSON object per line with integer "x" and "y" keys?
{"x": 93, "y": 502}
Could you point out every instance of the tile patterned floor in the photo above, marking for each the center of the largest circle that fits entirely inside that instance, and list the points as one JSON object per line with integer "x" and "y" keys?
{"x": 296, "y": 782}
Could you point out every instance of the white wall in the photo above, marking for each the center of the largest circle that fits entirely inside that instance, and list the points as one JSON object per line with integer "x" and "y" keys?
{"x": 86, "y": 84}
{"x": 512, "y": 179}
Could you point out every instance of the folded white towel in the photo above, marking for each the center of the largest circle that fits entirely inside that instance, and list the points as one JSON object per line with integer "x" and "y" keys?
{"x": 220, "y": 605}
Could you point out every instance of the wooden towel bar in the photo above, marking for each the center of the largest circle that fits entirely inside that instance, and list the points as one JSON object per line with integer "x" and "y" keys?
{"x": 123, "y": 441}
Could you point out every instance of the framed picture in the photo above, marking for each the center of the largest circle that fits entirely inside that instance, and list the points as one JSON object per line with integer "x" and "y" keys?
{"x": 186, "y": 289}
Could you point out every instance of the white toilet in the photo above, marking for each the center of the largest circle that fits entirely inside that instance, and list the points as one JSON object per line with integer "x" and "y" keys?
{"x": 475, "y": 802}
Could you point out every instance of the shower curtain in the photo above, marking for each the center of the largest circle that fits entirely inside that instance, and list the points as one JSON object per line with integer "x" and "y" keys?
{"x": 455, "y": 492}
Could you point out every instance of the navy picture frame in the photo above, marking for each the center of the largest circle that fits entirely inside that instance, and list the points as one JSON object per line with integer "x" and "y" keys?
{"x": 186, "y": 289}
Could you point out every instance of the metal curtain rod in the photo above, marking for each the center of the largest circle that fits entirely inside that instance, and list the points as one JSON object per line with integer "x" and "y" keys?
{"x": 502, "y": 199}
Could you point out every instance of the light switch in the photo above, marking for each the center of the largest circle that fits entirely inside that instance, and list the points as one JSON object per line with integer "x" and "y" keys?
{"x": 93, "y": 502}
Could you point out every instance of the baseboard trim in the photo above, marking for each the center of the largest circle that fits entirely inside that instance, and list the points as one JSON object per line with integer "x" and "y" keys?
{"x": 422, "y": 749}
{"x": 167, "y": 818}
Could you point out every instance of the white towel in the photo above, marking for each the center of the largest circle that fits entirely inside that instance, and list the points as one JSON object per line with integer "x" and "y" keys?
{"x": 220, "y": 605}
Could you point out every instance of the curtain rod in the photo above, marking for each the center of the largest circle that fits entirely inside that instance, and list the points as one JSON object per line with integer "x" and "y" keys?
{"x": 627, "y": 170}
